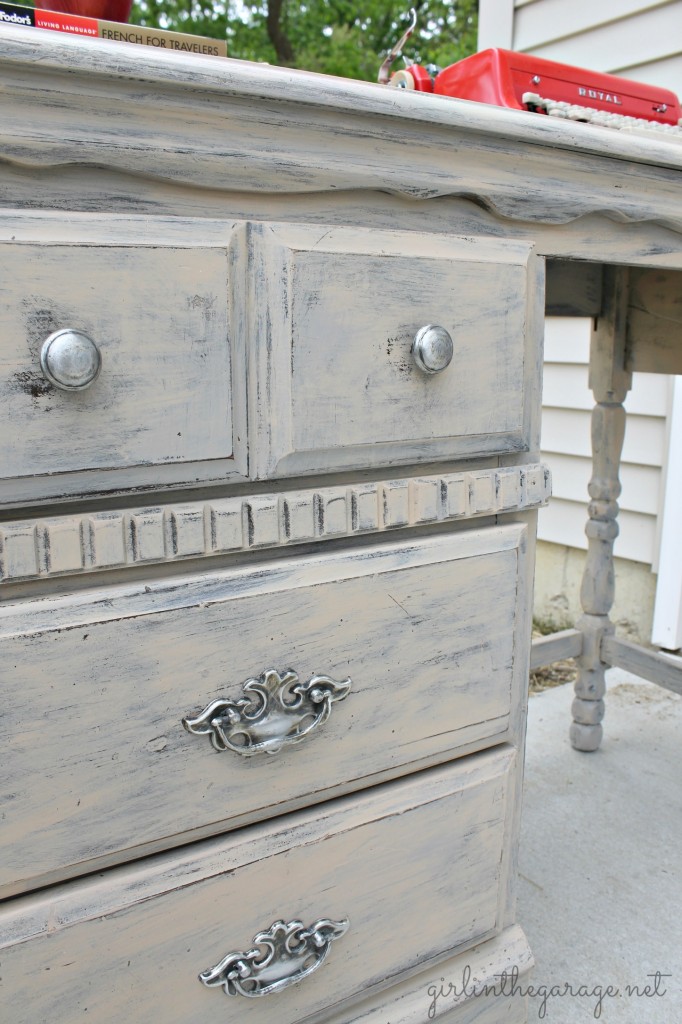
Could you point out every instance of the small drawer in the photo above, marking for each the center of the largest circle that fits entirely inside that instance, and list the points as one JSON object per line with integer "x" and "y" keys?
{"x": 98, "y": 765}
{"x": 115, "y": 365}
{"x": 345, "y": 323}
{"x": 395, "y": 880}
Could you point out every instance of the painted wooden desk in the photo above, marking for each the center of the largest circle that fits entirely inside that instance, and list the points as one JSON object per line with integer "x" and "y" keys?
{"x": 271, "y": 361}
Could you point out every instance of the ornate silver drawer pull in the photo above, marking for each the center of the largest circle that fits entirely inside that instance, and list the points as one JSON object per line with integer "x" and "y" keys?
{"x": 70, "y": 360}
{"x": 283, "y": 955}
{"x": 277, "y": 711}
{"x": 432, "y": 349}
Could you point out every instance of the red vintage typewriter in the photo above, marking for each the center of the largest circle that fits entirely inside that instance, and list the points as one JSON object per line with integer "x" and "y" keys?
{"x": 524, "y": 82}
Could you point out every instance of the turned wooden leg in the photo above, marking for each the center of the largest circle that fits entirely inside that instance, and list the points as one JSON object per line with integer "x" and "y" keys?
{"x": 609, "y": 382}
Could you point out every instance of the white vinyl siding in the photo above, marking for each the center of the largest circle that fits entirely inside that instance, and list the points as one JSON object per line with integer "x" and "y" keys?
{"x": 615, "y": 35}
{"x": 567, "y": 405}
{"x": 642, "y": 40}
{"x": 667, "y": 624}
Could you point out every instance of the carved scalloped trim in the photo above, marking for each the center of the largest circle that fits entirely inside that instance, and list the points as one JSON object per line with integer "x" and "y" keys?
{"x": 38, "y": 548}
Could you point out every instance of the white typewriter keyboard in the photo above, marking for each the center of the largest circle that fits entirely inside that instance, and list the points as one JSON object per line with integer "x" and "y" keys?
{"x": 605, "y": 118}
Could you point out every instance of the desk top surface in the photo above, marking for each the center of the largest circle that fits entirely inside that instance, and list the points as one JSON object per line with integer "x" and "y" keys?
{"x": 49, "y": 51}
{"x": 245, "y": 128}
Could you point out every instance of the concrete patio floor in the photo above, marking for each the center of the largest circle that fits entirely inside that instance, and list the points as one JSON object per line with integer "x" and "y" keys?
{"x": 601, "y": 867}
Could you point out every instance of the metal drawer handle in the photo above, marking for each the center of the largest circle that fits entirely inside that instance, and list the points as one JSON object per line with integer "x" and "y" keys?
{"x": 275, "y": 712}
{"x": 432, "y": 349}
{"x": 283, "y": 955}
{"x": 70, "y": 360}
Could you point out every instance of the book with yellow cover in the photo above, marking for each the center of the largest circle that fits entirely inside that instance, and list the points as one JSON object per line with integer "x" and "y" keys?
{"x": 13, "y": 14}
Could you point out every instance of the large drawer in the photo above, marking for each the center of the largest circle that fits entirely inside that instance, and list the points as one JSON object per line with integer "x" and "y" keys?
{"x": 433, "y": 634}
{"x": 332, "y": 316}
{"x": 415, "y": 870}
{"x": 151, "y": 304}
{"x": 441, "y": 993}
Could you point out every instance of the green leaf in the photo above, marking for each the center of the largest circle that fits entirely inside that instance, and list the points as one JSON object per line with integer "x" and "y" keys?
{"x": 334, "y": 37}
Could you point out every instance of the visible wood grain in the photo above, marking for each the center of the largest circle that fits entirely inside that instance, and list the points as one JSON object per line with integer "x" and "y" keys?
{"x": 412, "y": 1001}
{"x": 663, "y": 669}
{"x": 160, "y": 319}
{"x": 156, "y": 330}
{"x": 389, "y": 862}
{"x": 299, "y": 187}
{"x": 86, "y": 543}
{"x": 655, "y": 322}
{"x": 593, "y": 236}
{"x": 455, "y": 418}
{"x": 216, "y": 120}
{"x": 335, "y": 385}
{"x": 130, "y": 598}
{"x": 102, "y": 699}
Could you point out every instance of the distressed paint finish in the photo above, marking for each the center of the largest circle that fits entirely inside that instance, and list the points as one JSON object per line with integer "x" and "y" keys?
{"x": 547, "y": 650}
{"x": 335, "y": 385}
{"x": 179, "y": 354}
{"x": 610, "y": 382}
{"x": 664, "y": 669}
{"x": 130, "y": 148}
{"x": 655, "y": 321}
{"x": 38, "y": 548}
{"x": 160, "y": 320}
{"x": 390, "y": 862}
{"x": 138, "y": 591}
{"x": 102, "y": 701}
{"x": 349, "y": 134}
{"x": 409, "y": 1001}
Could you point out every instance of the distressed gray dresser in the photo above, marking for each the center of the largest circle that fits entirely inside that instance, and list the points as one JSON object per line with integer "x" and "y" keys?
{"x": 269, "y": 404}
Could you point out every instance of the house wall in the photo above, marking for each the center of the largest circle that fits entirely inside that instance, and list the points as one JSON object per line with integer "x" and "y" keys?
{"x": 566, "y": 414}
{"x": 642, "y": 41}
{"x": 633, "y": 38}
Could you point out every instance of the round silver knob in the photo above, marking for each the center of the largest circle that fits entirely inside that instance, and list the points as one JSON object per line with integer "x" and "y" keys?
{"x": 70, "y": 360}
{"x": 432, "y": 349}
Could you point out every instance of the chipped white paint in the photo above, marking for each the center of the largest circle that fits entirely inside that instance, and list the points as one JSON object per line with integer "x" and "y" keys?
{"x": 133, "y": 183}
{"x": 169, "y": 405}
{"x": 104, "y": 540}
{"x": 334, "y": 384}
{"x": 159, "y": 318}
{"x": 117, "y": 774}
{"x": 282, "y": 318}
{"x": 485, "y": 965}
{"x": 389, "y": 861}
{"x": 610, "y": 381}
{"x": 654, "y": 321}
{"x": 186, "y": 151}
{"x": 235, "y": 125}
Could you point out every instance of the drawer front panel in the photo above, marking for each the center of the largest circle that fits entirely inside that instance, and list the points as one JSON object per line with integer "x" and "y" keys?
{"x": 100, "y": 690}
{"x": 414, "y": 867}
{"x": 335, "y": 316}
{"x": 437, "y": 993}
{"x": 159, "y": 317}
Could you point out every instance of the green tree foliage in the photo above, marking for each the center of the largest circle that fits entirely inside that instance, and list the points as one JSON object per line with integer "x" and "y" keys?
{"x": 336, "y": 37}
